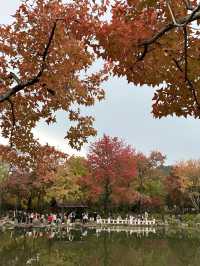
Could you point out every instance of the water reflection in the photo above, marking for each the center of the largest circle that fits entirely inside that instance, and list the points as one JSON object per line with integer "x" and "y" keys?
{"x": 102, "y": 246}
{"x": 72, "y": 234}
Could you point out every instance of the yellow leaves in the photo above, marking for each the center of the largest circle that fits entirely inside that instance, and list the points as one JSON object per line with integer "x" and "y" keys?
{"x": 65, "y": 185}
{"x": 189, "y": 173}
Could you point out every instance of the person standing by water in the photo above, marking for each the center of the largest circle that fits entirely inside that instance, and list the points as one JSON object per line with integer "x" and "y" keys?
{"x": 50, "y": 218}
{"x": 85, "y": 217}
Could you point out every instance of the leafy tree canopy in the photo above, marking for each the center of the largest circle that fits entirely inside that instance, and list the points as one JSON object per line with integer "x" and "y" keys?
{"x": 45, "y": 66}
{"x": 156, "y": 43}
{"x": 46, "y": 56}
{"x": 112, "y": 170}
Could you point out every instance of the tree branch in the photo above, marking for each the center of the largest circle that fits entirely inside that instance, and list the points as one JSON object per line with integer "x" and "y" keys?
{"x": 49, "y": 41}
{"x": 195, "y": 14}
{"x": 15, "y": 77}
{"x": 185, "y": 52}
{"x": 141, "y": 55}
{"x": 189, "y": 82}
{"x": 172, "y": 14}
{"x": 188, "y": 5}
{"x": 20, "y": 86}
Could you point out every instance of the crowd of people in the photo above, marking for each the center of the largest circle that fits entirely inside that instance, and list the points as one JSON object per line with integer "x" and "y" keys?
{"x": 49, "y": 218}
{"x": 23, "y": 217}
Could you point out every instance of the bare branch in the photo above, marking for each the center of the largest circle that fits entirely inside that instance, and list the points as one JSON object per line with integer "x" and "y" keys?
{"x": 172, "y": 14}
{"x": 195, "y": 200}
{"x": 188, "y": 5}
{"x": 191, "y": 16}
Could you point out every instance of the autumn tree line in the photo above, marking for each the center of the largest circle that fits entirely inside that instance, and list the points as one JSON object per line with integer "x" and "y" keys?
{"x": 112, "y": 177}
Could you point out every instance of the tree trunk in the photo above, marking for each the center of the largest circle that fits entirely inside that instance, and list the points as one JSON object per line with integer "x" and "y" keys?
{"x": 0, "y": 202}
{"x": 106, "y": 196}
{"x": 29, "y": 204}
{"x": 39, "y": 201}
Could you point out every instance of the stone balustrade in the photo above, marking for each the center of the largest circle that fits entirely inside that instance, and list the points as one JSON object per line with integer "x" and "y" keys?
{"x": 126, "y": 221}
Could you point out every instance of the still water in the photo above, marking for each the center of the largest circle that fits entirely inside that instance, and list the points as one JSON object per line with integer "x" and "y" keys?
{"x": 137, "y": 247}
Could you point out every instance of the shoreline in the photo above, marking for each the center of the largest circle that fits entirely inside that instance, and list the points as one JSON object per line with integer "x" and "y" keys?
{"x": 11, "y": 226}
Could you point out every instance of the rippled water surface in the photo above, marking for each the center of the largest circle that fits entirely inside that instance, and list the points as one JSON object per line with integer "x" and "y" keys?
{"x": 138, "y": 247}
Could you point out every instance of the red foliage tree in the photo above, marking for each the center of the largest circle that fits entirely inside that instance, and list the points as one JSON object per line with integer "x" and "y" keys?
{"x": 29, "y": 176}
{"x": 43, "y": 172}
{"x": 18, "y": 185}
{"x": 112, "y": 169}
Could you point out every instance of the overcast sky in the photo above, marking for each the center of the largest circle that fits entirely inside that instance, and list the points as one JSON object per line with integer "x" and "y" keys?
{"x": 126, "y": 113}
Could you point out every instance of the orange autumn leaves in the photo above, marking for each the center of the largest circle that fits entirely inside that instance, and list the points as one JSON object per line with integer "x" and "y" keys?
{"x": 142, "y": 43}
{"x": 183, "y": 185}
{"x": 46, "y": 48}
{"x": 47, "y": 56}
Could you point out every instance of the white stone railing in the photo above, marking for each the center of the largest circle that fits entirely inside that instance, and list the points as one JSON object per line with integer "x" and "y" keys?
{"x": 126, "y": 221}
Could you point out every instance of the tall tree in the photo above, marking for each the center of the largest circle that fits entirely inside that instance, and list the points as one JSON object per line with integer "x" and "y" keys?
{"x": 112, "y": 169}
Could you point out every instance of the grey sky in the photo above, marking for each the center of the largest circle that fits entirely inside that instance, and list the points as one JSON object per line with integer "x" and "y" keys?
{"x": 126, "y": 113}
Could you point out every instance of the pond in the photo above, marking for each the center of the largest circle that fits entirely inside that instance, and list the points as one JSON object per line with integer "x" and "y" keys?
{"x": 95, "y": 247}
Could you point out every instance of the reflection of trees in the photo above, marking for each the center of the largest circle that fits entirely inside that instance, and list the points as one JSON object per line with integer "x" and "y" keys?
{"x": 109, "y": 249}
{"x": 16, "y": 250}
{"x": 106, "y": 251}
